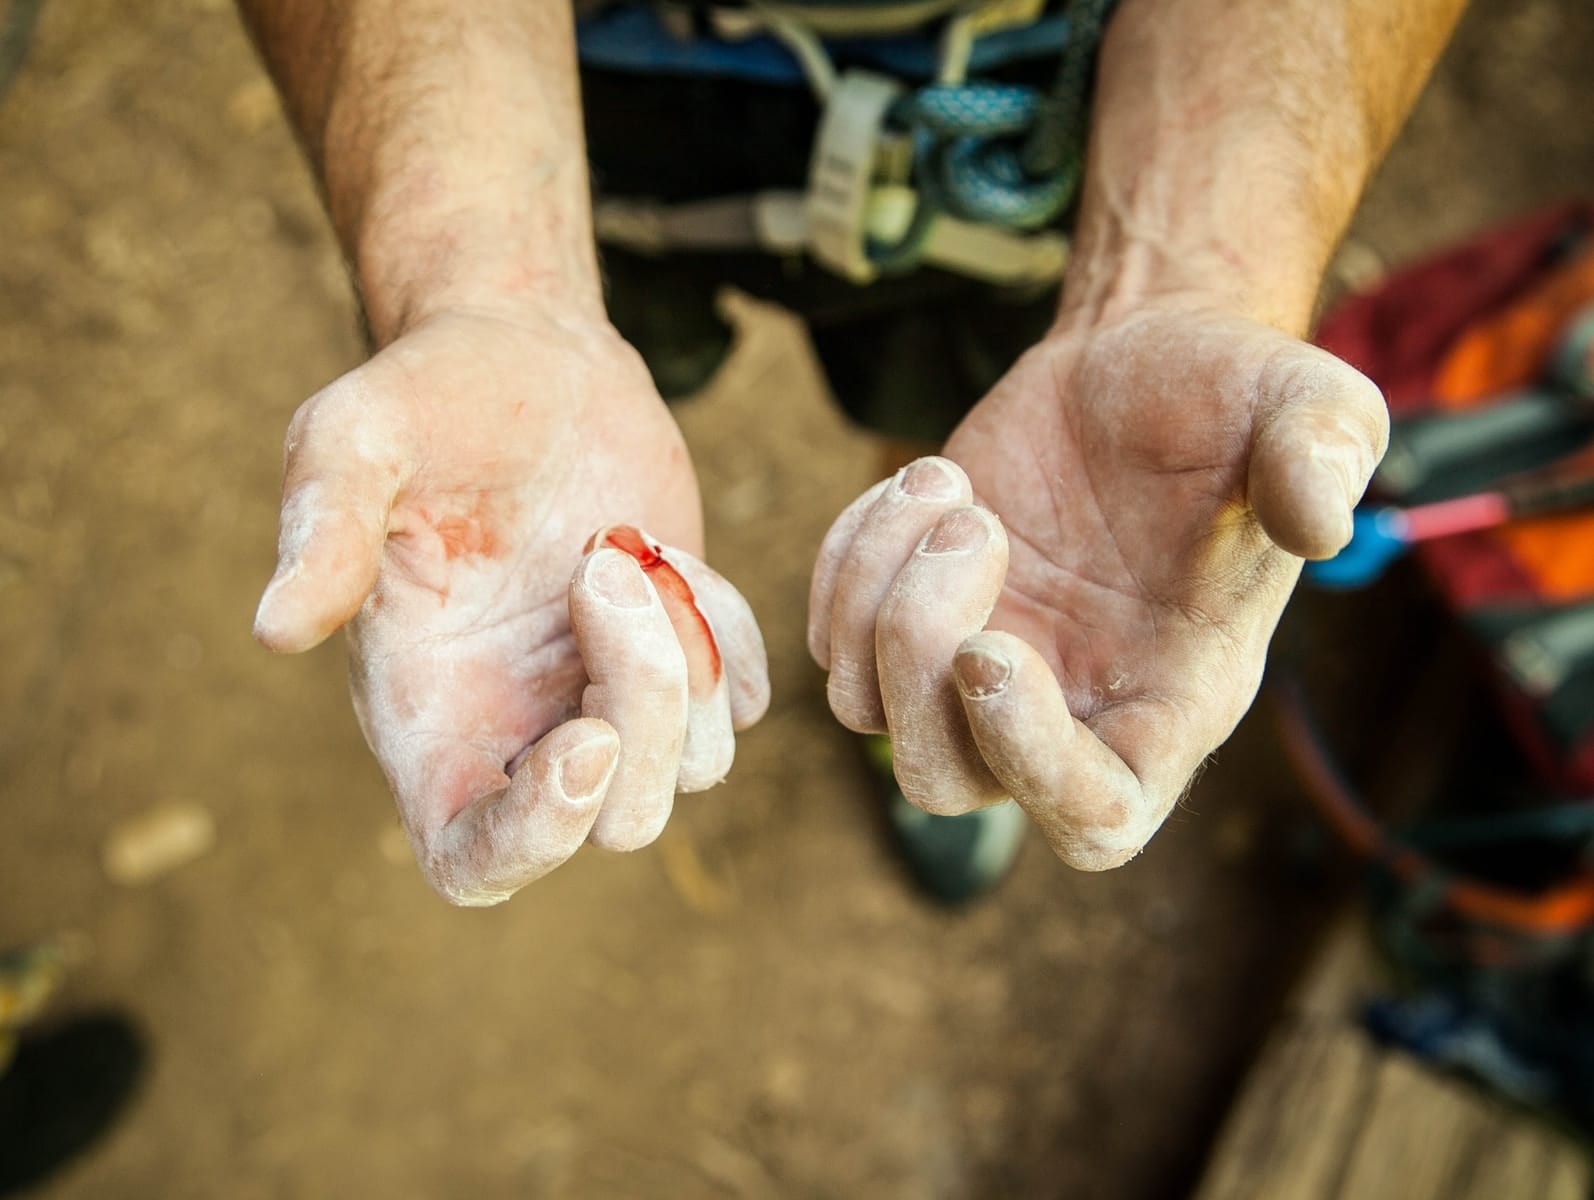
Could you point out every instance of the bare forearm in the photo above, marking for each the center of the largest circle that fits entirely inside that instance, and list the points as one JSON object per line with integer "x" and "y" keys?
{"x": 448, "y": 141}
{"x": 1232, "y": 140}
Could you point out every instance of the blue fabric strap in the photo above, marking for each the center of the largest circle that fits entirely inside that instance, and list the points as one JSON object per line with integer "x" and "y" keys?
{"x": 633, "y": 38}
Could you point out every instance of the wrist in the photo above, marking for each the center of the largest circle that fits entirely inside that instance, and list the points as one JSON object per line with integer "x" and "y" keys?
{"x": 1121, "y": 266}
{"x": 422, "y": 246}
{"x": 453, "y": 160}
{"x": 1221, "y": 167}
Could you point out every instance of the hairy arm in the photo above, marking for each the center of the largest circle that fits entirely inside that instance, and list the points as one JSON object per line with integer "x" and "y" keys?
{"x": 523, "y": 695}
{"x": 1162, "y": 461}
{"x": 447, "y": 138}
{"x": 1231, "y": 143}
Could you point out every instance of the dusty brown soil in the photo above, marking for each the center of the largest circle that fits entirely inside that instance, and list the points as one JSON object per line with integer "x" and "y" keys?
{"x": 758, "y": 1006}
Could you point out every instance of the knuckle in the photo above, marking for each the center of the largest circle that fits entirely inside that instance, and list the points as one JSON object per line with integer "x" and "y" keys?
{"x": 910, "y": 631}
{"x": 638, "y": 647}
{"x": 342, "y": 419}
{"x": 320, "y": 415}
{"x": 942, "y": 803}
{"x": 461, "y": 869}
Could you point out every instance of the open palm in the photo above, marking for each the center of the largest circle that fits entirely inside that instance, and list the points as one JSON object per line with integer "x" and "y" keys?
{"x": 1073, "y": 607}
{"x": 522, "y": 690}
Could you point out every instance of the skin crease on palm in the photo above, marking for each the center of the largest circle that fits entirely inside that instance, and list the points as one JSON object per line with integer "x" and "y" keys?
{"x": 1072, "y": 607}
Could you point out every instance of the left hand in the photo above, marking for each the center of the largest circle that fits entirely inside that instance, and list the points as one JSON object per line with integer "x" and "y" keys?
{"x": 1073, "y": 606}
{"x": 523, "y": 694}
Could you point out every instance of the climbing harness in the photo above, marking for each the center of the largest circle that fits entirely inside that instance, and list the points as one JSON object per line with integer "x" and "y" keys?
{"x": 914, "y": 162}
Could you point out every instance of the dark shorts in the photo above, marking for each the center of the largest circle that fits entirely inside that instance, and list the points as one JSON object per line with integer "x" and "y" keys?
{"x": 905, "y": 356}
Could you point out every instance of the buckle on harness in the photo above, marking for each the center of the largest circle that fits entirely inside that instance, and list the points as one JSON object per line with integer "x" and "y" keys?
{"x": 842, "y": 172}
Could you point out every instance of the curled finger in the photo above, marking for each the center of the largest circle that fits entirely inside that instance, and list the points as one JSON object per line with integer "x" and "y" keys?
{"x": 1094, "y": 809}
{"x": 941, "y": 596}
{"x": 892, "y": 528}
{"x": 638, "y": 684}
{"x": 709, "y": 745}
{"x": 827, "y": 566}
{"x": 735, "y": 628}
{"x": 517, "y": 833}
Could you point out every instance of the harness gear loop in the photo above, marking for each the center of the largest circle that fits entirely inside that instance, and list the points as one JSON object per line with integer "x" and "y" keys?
{"x": 841, "y": 174}
{"x": 957, "y": 173}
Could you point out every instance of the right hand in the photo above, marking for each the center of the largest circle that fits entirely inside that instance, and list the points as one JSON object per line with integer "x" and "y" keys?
{"x": 1073, "y": 607}
{"x": 522, "y": 695}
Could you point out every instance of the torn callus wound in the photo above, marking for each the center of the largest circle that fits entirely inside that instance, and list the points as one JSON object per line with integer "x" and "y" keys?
{"x": 691, "y": 626}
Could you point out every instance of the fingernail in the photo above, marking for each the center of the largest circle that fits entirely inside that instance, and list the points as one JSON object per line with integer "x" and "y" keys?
{"x": 981, "y": 674}
{"x": 928, "y": 479}
{"x": 615, "y": 578}
{"x": 584, "y": 770}
{"x": 958, "y": 532}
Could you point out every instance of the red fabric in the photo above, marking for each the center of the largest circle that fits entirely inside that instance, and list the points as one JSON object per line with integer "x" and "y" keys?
{"x": 1507, "y": 351}
{"x": 1456, "y": 331}
{"x": 1398, "y": 334}
{"x": 1453, "y": 332}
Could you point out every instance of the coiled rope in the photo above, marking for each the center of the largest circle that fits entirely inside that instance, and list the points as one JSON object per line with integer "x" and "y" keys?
{"x": 1001, "y": 154}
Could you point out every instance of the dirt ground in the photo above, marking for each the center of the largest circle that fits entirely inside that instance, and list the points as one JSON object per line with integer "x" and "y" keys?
{"x": 757, "y": 1006}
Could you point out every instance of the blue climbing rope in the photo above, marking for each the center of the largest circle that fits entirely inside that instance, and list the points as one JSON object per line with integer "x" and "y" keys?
{"x": 970, "y": 154}
{"x": 1001, "y": 154}
{"x": 989, "y": 153}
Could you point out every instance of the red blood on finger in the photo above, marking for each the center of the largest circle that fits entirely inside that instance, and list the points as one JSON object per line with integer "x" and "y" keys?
{"x": 703, "y": 665}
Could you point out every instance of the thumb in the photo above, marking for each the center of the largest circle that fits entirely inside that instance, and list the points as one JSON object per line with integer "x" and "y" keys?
{"x": 337, "y": 494}
{"x": 1320, "y": 428}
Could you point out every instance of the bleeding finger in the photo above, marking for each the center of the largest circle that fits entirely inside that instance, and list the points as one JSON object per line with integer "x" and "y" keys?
{"x": 710, "y": 743}
{"x": 638, "y": 676}
{"x": 735, "y": 628}
{"x": 898, "y": 521}
{"x": 944, "y": 593}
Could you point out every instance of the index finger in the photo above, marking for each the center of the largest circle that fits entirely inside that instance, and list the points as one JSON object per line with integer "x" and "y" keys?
{"x": 638, "y": 684}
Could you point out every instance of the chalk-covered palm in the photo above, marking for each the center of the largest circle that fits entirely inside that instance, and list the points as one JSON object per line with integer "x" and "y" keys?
{"x": 439, "y": 499}
{"x": 1153, "y": 482}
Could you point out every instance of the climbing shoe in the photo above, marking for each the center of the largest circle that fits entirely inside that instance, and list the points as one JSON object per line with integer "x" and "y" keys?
{"x": 954, "y": 860}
